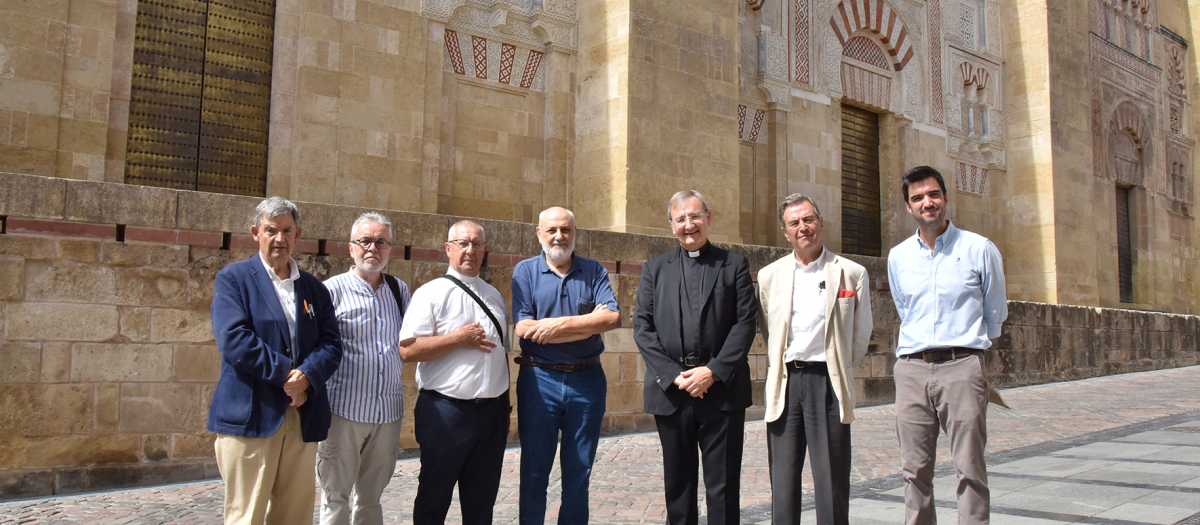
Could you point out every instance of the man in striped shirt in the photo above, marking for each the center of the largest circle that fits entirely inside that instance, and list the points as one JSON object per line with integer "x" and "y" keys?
{"x": 365, "y": 393}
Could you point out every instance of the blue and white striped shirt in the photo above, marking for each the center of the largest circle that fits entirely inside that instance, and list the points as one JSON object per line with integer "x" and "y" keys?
{"x": 366, "y": 387}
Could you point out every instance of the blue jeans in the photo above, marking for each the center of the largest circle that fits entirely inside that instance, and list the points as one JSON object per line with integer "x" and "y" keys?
{"x": 547, "y": 402}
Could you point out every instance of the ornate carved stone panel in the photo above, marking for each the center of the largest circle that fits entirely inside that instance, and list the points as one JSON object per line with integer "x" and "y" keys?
{"x": 1129, "y": 117}
{"x": 549, "y": 25}
{"x": 475, "y": 56}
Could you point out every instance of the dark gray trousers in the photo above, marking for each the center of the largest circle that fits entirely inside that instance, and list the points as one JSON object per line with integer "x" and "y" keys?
{"x": 811, "y": 420}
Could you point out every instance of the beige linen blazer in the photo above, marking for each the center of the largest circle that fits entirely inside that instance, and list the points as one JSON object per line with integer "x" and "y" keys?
{"x": 847, "y": 326}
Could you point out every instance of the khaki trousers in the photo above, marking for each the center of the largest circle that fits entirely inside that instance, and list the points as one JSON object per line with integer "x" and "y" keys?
{"x": 953, "y": 396}
{"x": 269, "y": 478}
{"x": 360, "y": 458}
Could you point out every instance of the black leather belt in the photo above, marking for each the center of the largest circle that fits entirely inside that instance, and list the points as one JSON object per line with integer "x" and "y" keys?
{"x": 477, "y": 401}
{"x": 940, "y": 355}
{"x": 806, "y": 364}
{"x": 557, "y": 367}
{"x": 690, "y": 361}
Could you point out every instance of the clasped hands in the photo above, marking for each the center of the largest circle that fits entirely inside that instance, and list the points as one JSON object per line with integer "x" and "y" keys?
{"x": 695, "y": 381}
{"x": 473, "y": 336}
{"x": 296, "y": 387}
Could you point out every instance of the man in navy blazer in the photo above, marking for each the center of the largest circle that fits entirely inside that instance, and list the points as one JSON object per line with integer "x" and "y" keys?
{"x": 278, "y": 336}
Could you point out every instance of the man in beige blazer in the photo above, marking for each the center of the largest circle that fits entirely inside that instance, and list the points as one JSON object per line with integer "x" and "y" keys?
{"x": 816, "y": 309}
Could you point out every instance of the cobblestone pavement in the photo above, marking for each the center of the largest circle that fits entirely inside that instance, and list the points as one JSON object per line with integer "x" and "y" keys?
{"x": 1051, "y": 434}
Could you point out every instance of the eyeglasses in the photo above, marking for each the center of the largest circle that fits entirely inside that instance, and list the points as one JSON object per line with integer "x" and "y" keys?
{"x": 366, "y": 243}
{"x": 695, "y": 217}
{"x": 463, "y": 244}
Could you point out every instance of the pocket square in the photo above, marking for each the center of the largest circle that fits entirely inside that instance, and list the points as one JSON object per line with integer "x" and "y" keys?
{"x": 845, "y": 293}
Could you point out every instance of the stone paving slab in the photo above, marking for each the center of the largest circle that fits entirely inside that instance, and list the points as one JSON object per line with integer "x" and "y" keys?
{"x": 1082, "y": 421}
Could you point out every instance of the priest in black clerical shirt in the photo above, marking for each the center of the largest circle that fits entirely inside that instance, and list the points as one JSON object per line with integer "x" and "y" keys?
{"x": 694, "y": 324}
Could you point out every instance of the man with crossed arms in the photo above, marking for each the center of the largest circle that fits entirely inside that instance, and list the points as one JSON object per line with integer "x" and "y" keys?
{"x": 366, "y": 394}
{"x": 817, "y": 317}
{"x": 561, "y": 303}
{"x": 462, "y": 411}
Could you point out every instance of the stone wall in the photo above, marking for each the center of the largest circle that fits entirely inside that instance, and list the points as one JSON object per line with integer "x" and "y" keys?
{"x": 107, "y": 362}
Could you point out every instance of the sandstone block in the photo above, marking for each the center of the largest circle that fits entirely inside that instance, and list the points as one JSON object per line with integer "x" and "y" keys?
{"x": 108, "y": 362}
{"x": 12, "y": 278}
{"x": 56, "y": 362}
{"x": 156, "y": 447}
{"x": 26, "y": 483}
{"x": 202, "y": 273}
{"x": 61, "y": 321}
{"x": 161, "y": 407}
{"x": 33, "y": 410}
{"x": 108, "y": 407}
{"x": 20, "y": 362}
{"x": 187, "y": 446}
{"x": 127, "y": 204}
{"x": 68, "y": 281}
{"x": 187, "y": 326}
{"x": 28, "y": 246}
{"x": 151, "y": 287}
{"x": 216, "y": 212}
{"x": 328, "y": 221}
{"x": 32, "y": 196}
{"x": 135, "y": 324}
{"x": 82, "y": 250}
{"x": 71, "y": 451}
{"x": 196, "y": 363}
{"x": 169, "y": 256}
{"x": 122, "y": 254}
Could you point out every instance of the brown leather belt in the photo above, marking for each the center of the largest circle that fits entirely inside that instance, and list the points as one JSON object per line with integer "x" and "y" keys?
{"x": 557, "y": 367}
{"x": 939, "y": 355}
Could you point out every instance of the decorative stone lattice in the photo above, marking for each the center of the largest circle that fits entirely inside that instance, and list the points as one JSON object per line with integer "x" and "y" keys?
{"x": 966, "y": 26}
{"x": 934, "y": 13}
{"x": 801, "y": 43}
{"x": 971, "y": 179}
{"x": 485, "y": 64}
{"x": 755, "y": 132}
{"x": 862, "y": 48}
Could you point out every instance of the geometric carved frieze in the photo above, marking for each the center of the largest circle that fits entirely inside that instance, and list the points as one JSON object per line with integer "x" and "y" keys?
{"x": 866, "y": 86}
{"x": 750, "y": 124}
{"x": 801, "y": 42}
{"x": 971, "y": 179}
{"x": 551, "y": 25}
{"x": 936, "y": 106}
{"x": 503, "y": 63}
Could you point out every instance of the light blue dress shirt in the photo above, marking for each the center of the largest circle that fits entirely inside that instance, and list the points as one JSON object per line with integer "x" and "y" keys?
{"x": 950, "y": 296}
{"x": 366, "y": 387}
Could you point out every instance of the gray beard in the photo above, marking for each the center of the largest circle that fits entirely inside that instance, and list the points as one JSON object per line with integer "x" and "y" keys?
{"x": 558, "y": 255}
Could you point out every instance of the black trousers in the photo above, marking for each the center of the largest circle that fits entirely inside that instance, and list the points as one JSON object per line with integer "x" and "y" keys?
{"x": 810, "y": 420}
{"x": 461, "y": 442}
{"x": 718, "y": 435}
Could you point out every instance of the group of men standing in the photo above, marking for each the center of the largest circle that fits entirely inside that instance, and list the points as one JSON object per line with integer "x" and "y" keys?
{"x": 306, "y": 363}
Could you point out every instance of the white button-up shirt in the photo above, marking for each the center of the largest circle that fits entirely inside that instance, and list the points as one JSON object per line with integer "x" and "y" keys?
{"x": 366, "y": 387}
{"x": 950, "y": 295}
{"x": 806, "y": 339}
{"x": 285, "y": 289}
{"x": 441, "y": 307}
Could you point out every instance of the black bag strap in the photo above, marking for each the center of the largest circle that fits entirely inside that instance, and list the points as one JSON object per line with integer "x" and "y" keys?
{"x": 486, "y": 310}
{"x": 394, "y": 285}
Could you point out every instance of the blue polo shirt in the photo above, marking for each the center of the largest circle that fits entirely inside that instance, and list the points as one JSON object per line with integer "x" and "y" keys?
{"x": 539, "y": 293}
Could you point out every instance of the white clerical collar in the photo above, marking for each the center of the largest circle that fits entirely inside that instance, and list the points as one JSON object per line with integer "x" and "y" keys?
{"x": 694, "y": 254}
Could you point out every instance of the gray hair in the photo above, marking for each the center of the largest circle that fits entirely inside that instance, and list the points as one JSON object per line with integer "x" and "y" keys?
{"x": 683, "y": 195}
{"x": 542, "y": 215}
{"x": 450, "y": 236}
{"x": 371, "y": 217}
{"x": 272, "y": 207}
{"x": 796, "y": 199}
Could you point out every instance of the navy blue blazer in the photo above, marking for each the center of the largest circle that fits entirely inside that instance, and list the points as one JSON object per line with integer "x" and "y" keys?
{"x": 252, "y": 335}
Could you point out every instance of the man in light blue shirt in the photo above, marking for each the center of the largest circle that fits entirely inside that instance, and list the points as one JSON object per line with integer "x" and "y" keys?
{"x": 948, "y": 286}
{"x": 365, "y": 393}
